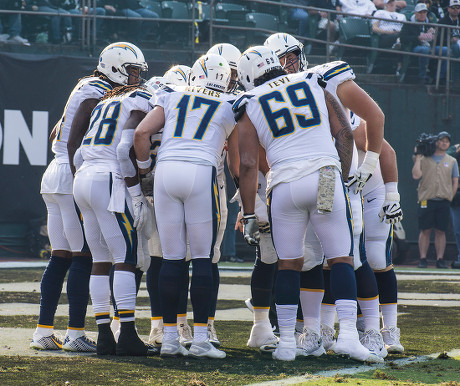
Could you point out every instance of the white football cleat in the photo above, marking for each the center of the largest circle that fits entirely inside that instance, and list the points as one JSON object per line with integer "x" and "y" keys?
{"x": 205, "y": 349}
{"x": 248, "y": 303}
{"x": 262, "y": 337}
{"x": 80, "y": 344}
{"x": 172, "y": 348}
{"x": 156, "y": 335}
{"x": 185, "y": 334}
{"x": 348, "y": 345}
{"x": 328, "y": 336}
{"x": 212, "y": 335}
{"x": 391, "y": 336}
{"x": 373, "y": 341}
{"x": 50, "y": 342}
{"x": 115, "y": 327}
{"x": 286, "y": 351}
{"x": 310, "y": 343}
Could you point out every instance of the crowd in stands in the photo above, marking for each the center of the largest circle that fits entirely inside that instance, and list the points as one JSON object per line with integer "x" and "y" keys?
{"x": 60, "y": 26}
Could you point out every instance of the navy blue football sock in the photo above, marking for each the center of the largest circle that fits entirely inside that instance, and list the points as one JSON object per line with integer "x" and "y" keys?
{"x": 365, "y": 282}
{"x": 388, "y": 287}
{"x": 343, "y": 282}
{"x": 200, "y": 289}
{"x": 184, "y": 283}
{"x": 215, "y": 290}
{"x": 112, "y": 298}
{"x": 262, "y": 279}
{"x": 152, "y": 285}
{"x": 312, "y": 279}
{"x": 51, "y": 288}
{"x": 170, "y": 285}
{"x": 287, "y": 287}
{"x": 138, "y": 273}
{"x": 78, "y": 290}
{"x": 327, "y": 298}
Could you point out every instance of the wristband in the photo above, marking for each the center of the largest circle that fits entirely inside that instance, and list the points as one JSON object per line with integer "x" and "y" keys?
{"x": 371, "y": 158}
{"x": 135, "y": 190}
{"x": 144, "y": 164}
{"x": 391, "y": 187}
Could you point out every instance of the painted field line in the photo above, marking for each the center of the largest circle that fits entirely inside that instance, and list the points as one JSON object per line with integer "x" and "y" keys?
{"x": 354, "y": 369}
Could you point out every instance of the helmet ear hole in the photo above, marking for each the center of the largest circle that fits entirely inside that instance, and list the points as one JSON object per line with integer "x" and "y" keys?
{"x": 114, "y": 69}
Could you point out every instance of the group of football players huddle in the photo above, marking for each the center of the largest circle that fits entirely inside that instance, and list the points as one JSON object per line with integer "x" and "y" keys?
{"x": 137, "y": 185}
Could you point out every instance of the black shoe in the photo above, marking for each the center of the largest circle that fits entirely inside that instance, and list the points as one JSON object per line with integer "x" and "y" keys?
{"x": 106, "y": 344}
{"x": 129, "y": 343}
{"x": 456, "y": 264}
{"x": 423, "y": 263}
{"x": 441, "y": 264}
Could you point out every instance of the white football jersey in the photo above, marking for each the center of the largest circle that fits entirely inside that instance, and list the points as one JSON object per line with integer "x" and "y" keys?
{"x": 292, "y": 120}
{"x": 197, "y": 123}
{"x": 99, "y": 146}
{"x": 335, "y": 73}
{"x": 88, "y": 88}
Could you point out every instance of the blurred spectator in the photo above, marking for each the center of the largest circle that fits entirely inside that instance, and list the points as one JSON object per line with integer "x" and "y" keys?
{"x": 451, "y": 39}
{"x": 431, "y": 17}
{"x": 380, "y": 4}
{"x": 318, "y": 22}
{"x": 385, "y": 33}
{"x": 439, "y": 8}
{"x": 59, "y": 26}
{"x": 438, "y": 175}
{"x": 418, "y": 38}
{"x": 137, "y": 30}
{"x": 14, "y": 23}
{"x": 359, "y": 7}
{"x": 454, "y": 151}
{"x": 300, "y": 15}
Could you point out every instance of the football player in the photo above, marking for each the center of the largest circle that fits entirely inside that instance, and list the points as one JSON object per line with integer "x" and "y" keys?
{"x": 69, "y": 249}
{"x": 339, "y": 77}
{"x": 231, "y": 54}
{"x": 293, "y": 185}
{"x": 109, "y": 196}
{"x": 381, "y": 211}
{"x": 196, "y": 121}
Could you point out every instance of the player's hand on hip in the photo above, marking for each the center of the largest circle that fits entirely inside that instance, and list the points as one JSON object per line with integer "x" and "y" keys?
{"x": 251, "y": 229}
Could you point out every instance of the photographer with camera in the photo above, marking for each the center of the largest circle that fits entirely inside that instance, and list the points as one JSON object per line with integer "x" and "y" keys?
{"x": 438, "y": 174}
{"x": 454, "y": 151}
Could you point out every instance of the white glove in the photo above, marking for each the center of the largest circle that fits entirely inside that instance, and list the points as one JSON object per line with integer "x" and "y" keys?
{"x": 142, "y": 216}
{"x": 143, "y": 256}
{"x": 251, "y": 229}
{"x": 364, "y": 172}
{"x": 236, "y": 198}
{"x": 147, "y": 184}
{"x": 391, "y": 210}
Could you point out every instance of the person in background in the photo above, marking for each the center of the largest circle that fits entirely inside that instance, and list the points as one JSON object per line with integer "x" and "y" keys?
{"x": 454, "y": 151}
{"x": 438, "y": 175}
{"x": 14, "y": 23}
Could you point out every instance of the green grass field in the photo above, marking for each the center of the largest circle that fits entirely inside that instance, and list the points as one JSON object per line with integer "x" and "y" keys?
{"x": 425, "y": 330}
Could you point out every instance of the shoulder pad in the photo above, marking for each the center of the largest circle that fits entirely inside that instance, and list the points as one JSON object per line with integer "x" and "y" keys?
{"x": 100, "y": 84}
{"x": 334, "y": 69}
{"x": 140, "y": 93}
{"x": 239, "y": 106}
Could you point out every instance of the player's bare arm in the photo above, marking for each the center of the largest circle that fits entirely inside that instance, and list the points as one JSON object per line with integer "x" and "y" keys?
{"x": 54, "y": 131}
{"x": 151, "y": 124}
{"x": 357, "y": 100}
{"x": 79, "y": 127}
{"x": 248, "y": 145}
{"x": 233, "y": 156}
{"x": 341, "y": 131}
{"x": 387, "y": 159}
